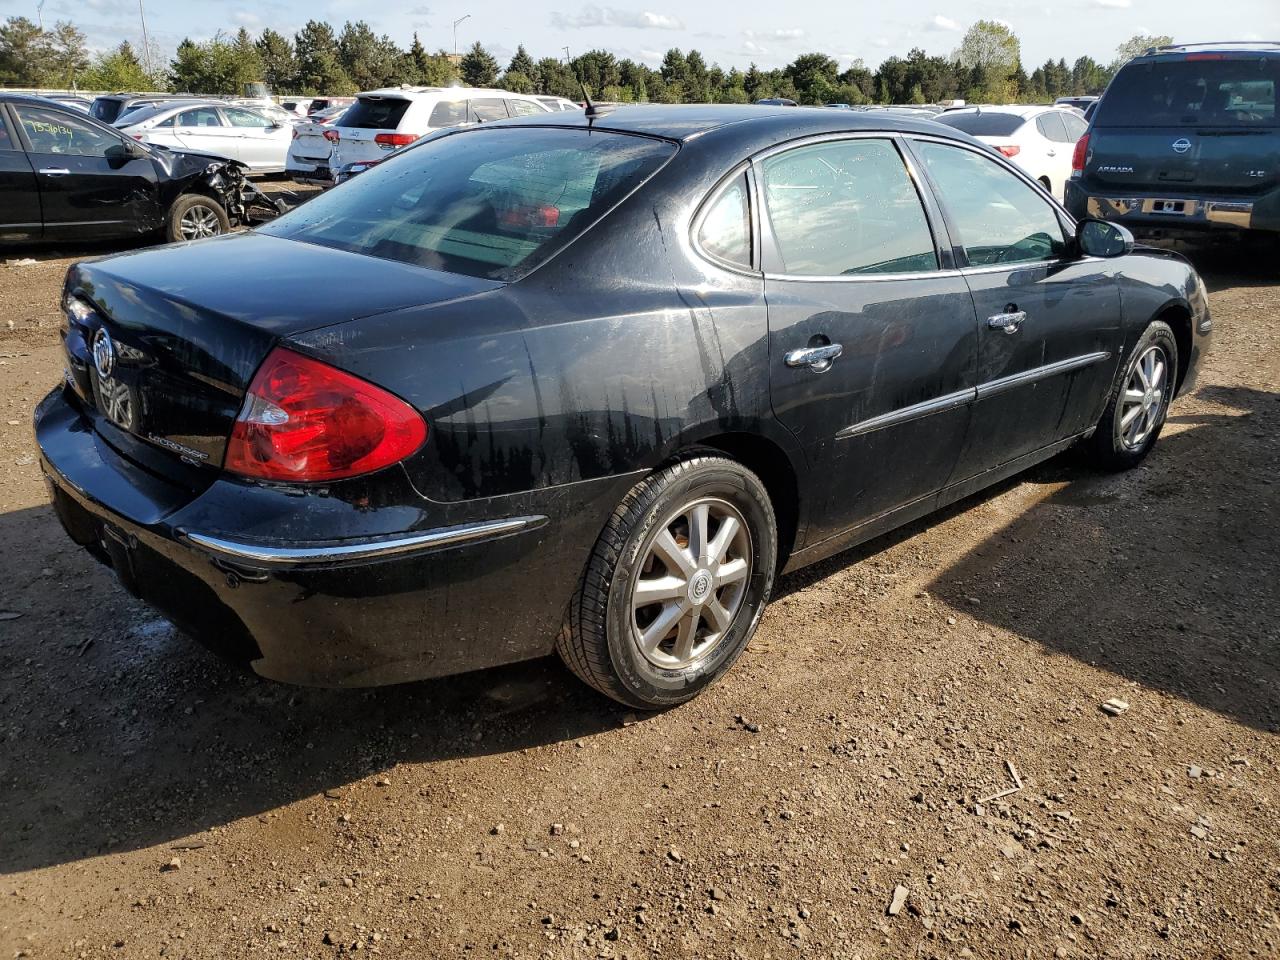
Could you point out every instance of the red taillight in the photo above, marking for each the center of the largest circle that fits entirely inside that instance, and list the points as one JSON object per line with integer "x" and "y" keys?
{"x": 305, "y": 421}
{"x": 395, "y": 139}
{"x": 1204, "y": 56}
{"x": 1010, "y": 150}
{"x": 1078, "y": 156}
{"x": 333, "y": 136}
{"x": 295, "y": 133}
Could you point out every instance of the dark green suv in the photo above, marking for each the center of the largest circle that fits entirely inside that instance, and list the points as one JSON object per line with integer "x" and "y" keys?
{"x": 1186, "y": 139}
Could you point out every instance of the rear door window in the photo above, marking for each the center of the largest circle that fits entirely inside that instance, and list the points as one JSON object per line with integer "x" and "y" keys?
{"x": 484, "y": 109}
{"x": 448, "y": 113}
{"x": 1205, "y": 91}
{"x": 1051, "y": 126}
{"x": 845, "y": 208}
{"x": 200, "y": 117}
{"x": 7, "y": 140}
{"x": 375, "y": 113}
{"x": 245, "y": 118}
{"x": 1075, "y": 127}
{"x": 1000, "y": 218}
{"x": 523, "y": 108}
{"x": 490, "y": 202}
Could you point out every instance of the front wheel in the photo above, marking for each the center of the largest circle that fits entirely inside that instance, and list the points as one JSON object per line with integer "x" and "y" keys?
{"x": 675, "y": 586}
{"x": 1140, "y": 402}
{"x": 194, "y": 216}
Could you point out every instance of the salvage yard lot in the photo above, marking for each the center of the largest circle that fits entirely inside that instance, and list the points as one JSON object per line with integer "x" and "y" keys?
{"x": 157, "y": 802}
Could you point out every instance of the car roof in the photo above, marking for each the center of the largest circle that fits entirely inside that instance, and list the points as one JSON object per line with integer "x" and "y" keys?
{"x": 408, "y": 92}
{"x": 1026, "y": 111}
{"x": 1263, "y": 47}
{"x": 682, "y": 122}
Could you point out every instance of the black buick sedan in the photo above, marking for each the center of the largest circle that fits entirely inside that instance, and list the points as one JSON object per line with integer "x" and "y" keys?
{"x": 591, "y": 384}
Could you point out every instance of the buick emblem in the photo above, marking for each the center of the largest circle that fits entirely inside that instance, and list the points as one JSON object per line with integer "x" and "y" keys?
{"x": 699, "y": 587}
{"x": 104, "y": 353}
{"x": 1181, "y": 145}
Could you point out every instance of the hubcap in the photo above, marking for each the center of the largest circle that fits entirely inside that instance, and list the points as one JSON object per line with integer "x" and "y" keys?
{"x": 691, "y": 584}
{"x": 200, "y": 221}
{"x": 1143, "y": 402}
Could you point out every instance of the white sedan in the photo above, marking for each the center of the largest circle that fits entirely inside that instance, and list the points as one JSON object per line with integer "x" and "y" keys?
{"x": 1040, "y": 140}
{"x": 225, "y": 130}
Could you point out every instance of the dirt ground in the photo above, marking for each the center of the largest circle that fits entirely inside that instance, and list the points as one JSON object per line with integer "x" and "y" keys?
{"x": 155, "y": 802}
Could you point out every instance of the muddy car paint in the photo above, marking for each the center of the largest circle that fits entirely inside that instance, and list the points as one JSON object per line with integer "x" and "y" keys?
{"x": 547, "y": 398}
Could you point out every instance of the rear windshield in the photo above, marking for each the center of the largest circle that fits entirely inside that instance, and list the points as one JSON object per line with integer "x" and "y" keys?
{"x": 983, "y": 124}
{"x": 486, "y": 203}
{"x": 1192, "y": 92}
{"x": 376, "y": 113}
{"x": 105, "y": 109}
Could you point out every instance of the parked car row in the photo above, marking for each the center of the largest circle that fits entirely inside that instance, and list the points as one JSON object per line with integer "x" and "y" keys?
{"x": 243, "y": 133}
{"x": 382, "y": 121}
{"x": 1040, "y": 140}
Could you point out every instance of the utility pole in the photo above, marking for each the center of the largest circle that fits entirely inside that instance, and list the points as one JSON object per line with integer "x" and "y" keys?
{"x": 567, "y": 58}
{"x": 455, "y": 31}
{"x": 146, "y": 40}
{"x": 40, "y": 14}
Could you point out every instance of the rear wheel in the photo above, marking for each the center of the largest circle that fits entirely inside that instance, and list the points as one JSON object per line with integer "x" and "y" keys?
{"x": 194, "y": 216}
{"x": 1137, "y": 409}
{"x": 675, "y": 585}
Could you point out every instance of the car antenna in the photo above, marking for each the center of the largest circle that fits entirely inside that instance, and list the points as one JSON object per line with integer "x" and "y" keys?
{"x": 593, "y": 111}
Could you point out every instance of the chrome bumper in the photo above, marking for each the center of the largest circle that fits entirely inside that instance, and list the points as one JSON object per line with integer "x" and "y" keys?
{"x": 261, "y": 554}
{"x": 1225, "y": 213}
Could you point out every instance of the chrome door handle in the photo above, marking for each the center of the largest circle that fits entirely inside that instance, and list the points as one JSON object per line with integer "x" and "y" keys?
{"x": 817, "y": 359}
{"x": 1008, "y": 322}
{"x": 55, "y": 171}
{"x": 1053, "y": 153}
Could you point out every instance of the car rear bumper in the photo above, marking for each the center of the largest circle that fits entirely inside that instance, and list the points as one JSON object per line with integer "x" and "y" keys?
{"x": 465, "y": 586}
{"x": 1175, "y": 210}
{"x": 305, "y": 171}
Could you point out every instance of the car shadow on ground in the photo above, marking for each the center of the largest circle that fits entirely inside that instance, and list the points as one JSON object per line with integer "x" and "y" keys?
{"x": 1164, "y": 577}
{"x": 123, "y": 734}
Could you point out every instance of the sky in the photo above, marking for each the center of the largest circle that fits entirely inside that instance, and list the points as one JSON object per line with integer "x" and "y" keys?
{"x": 730, "y": 32}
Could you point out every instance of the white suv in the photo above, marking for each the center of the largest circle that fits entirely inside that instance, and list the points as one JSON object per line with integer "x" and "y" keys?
{"x": 381, "y": 121}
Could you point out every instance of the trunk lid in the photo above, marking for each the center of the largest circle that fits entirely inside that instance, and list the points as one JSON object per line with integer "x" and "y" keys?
{"x": 164, "y": 343}
{"x": 1201, "y": 124}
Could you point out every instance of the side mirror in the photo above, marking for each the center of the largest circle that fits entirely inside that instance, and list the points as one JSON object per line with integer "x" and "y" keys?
{"x": 126, "y": 151}
{"x": 1099, "y": 238}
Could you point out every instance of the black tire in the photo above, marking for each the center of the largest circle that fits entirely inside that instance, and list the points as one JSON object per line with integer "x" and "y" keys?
{"x": 190, "y": 203}
{"x": 1110, "y": 447}
{"x": 598, "y": 641}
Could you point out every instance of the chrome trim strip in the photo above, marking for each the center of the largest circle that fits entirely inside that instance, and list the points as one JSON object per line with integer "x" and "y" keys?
{"x": 365, "y": 549}
{"x": 863, "y": 277}
{"x": 993, "y": 387}
{"x": 947, "y": 401}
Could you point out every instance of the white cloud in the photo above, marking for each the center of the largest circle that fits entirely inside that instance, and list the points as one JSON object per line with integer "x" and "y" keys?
{"x": 1113, "y": 4}
{"x": 939, "y": 22}
{"x": 246, "y": 18}
{"x": 880, "y": 42}
{"x": 753, "y": 48}
{"x": 593, "y": 16}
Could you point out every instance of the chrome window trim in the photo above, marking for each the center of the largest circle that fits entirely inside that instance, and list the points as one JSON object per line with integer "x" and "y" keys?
{"x": 950, "y": 401}
{"x": 915, "y": 411}
{"x": 894, "y": 137}
{"x": 995, "y": 387}
{"x": 294, "y": 554}
{"x": 863, "y": 277}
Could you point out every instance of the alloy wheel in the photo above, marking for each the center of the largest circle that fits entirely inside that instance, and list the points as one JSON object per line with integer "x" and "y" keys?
{"x": 1145, "y": 396}
{"x": 199, "y": 221}
{"x": 691, "y": 584}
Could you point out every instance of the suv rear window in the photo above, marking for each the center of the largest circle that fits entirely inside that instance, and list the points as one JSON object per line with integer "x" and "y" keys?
{"x": 105, "y": 109}
{"x": 375, "y": 113}
{"x": 1234, "y": 92}
{"x": 983, "y": 124}
{"x": 490, "y": 203}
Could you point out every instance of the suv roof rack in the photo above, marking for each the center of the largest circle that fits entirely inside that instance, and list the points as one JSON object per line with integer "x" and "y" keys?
{"x": 1244, "y": 44}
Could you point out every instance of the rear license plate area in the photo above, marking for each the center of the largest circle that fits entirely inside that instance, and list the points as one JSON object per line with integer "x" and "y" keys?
{"x": 1170, "y": 208}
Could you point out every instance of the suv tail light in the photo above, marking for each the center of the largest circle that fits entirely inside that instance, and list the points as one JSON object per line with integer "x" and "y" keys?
{"x": 1078, "y": 156}
{"x": 395, "y": 139}
{"x": 305, "y": 421}
{"x": 1010, "y": 149}
{"x": 333, "y": 136}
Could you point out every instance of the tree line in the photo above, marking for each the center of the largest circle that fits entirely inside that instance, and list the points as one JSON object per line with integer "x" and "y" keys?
{"x": 987, "y": 67}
